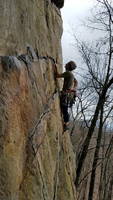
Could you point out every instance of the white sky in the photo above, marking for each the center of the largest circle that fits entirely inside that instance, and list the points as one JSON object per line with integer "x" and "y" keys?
{"x": 72, "y": 13}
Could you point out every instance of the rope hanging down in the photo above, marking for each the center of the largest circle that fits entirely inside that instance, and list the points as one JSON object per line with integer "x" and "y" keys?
{"x": 47, "y": 109}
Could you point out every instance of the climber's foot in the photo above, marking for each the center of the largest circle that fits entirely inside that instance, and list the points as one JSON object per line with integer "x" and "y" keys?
{"x": 66, "y": 126}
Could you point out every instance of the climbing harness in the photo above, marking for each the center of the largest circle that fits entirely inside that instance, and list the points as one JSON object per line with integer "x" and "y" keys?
{"x": 68, "y": 97}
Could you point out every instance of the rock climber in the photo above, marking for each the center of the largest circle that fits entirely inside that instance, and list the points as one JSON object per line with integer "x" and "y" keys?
{"x": 68, "y": 93}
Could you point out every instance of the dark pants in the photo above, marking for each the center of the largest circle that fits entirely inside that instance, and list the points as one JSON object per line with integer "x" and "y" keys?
{"x": 65, "y": 113}
{"x": 64, "y": 107}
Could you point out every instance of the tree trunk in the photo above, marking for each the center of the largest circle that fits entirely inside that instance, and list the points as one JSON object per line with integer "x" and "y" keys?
{"x": 96, "y": 156}
{"x": 83, "y": 154}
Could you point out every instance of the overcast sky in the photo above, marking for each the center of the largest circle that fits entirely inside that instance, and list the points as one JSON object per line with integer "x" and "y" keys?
{"x": 72, "y": 13}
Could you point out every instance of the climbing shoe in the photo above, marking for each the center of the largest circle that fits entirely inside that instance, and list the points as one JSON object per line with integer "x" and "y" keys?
{"x": 66, "y": 127}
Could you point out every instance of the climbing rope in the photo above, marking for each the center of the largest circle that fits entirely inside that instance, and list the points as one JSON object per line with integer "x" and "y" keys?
{"x": 47, "y": 109}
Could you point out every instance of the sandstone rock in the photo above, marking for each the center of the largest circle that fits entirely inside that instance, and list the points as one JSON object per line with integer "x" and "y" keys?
{"x": 31, "y": 53}
{"x": 37, "y": 161}
{"x": 30, "y": 22}
{"x": 10, "y": 62}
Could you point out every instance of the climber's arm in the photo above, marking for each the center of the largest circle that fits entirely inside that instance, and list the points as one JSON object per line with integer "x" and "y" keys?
{"x": 75, "y": 83}
{"x": 75, "y": 87}
{"x": 57, "y": 74}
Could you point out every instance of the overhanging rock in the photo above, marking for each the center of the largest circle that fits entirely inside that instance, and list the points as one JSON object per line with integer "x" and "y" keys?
{"x": 58, "y": 3}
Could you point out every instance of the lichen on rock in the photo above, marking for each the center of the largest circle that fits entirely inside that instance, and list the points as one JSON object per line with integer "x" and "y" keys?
{"x": 9, "y": 63}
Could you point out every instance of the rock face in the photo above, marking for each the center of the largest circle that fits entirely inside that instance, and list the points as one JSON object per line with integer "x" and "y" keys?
{"x": 36, "y": 159}
{"x": 34, "y": 22}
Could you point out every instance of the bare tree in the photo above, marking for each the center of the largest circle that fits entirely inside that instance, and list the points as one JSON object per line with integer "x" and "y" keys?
{"x": 97, "y": 88}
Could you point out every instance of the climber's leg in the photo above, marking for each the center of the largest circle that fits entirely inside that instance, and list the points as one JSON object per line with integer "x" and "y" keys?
{"x": 65, "y": 113}
{"x": 65, "y": 117}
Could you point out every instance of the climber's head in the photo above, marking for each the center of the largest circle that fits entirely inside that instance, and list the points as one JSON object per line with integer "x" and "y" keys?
{"x": 70, "y": 66}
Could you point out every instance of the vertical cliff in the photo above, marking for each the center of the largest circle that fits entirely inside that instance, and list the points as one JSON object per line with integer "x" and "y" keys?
{"x": 36, "y": 159}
